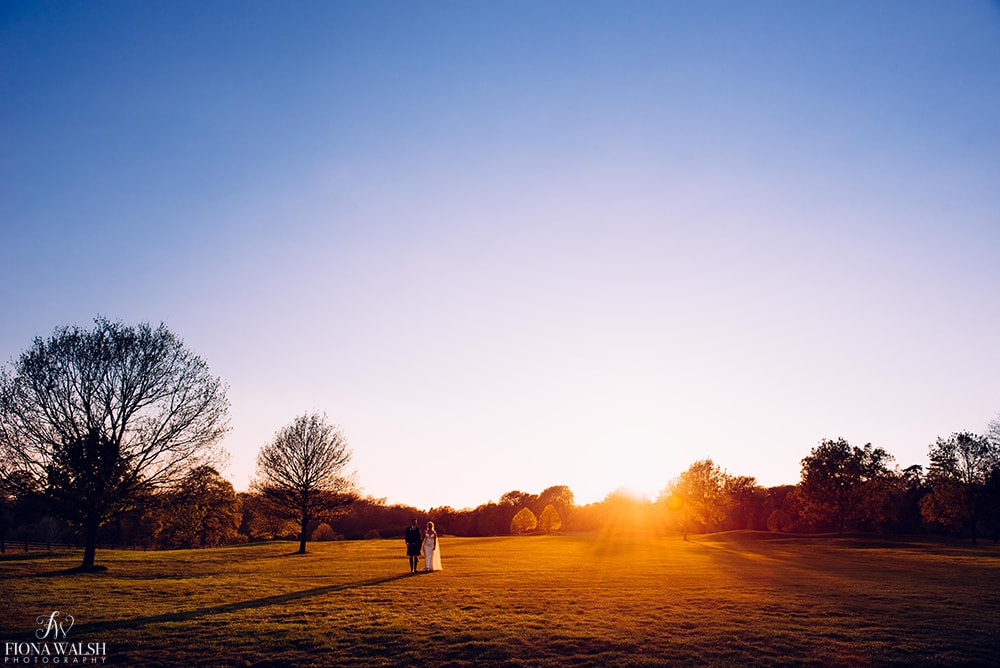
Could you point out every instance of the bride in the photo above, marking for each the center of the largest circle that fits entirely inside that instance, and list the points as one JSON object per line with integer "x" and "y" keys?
{"x": 432, "y": 549}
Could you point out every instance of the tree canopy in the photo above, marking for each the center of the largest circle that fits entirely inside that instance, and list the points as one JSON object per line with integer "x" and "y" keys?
{"x": 95, "y": 419}
{"x": 837, "y": 481}
{"x": 302, "y": 472}
{"x": 962, "y": 470}
{"x": 523, "y": 521}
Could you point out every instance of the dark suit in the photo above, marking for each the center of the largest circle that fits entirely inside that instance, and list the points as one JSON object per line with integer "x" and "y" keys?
{"x": 413, "y": 541}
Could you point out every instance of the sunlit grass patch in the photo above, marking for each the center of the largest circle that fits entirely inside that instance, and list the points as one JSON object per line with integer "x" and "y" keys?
{"x": 528, "y": 601}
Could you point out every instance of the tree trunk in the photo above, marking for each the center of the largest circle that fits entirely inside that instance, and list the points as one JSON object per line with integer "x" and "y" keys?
{"x": 302, "y": 535}
{"x": 90, "y": 545}
{"x": 973, "y": 515}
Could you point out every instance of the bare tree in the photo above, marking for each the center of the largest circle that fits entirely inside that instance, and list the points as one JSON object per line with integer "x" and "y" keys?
{"x": 96, "y": 419}
{"x": 301, "y": 473}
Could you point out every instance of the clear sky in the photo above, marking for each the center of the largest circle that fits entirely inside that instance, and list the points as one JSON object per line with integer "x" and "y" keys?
{"x": 509, "y": 245}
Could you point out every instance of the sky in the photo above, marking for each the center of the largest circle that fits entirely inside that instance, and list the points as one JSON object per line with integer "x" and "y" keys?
{"x": 510, "y": 245}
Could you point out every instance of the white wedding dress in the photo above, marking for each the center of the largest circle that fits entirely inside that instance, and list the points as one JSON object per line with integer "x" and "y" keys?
{"x": 432, "y": 552}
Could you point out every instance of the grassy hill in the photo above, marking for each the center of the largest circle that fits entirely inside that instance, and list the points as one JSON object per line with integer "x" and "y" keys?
{"x": 729, "y": 599}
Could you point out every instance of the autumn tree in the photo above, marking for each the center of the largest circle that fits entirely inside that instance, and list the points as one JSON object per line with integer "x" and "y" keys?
{"x": 549, "y": 520}
{"x": 507, "y": 506}
{"x": 302, "y": 474}
{"x": 841, "y": 483}
{"x": 560, "y": 497}
{"x": 523, "y": 521}
{"x": 960, "y": 469}
{"x": 96, "y": 419}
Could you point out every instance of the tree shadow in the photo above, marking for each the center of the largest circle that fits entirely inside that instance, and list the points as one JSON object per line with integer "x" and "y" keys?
{"x": 286, "y": 555}
{"x": 266, "y": 601}
{"x": 100, "y": 569}
{"x": 76, "y": 570}
{"x": 28, "y": 556}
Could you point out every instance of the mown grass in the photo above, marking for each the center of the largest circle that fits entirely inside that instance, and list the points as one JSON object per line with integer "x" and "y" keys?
{"x": 730, "y": 599}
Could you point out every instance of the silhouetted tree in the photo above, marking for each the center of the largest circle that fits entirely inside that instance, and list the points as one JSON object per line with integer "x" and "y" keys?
{"x": 742, "y": 499}
{"x": 445, "y": 519}
{"x": 991, "y": 505}
{"x": 959, "y": 470}
{"x": 361, "y": 517}
{"x": 907, "y": 499}
{"x": 301, "y": 473}
{"x": 879, "y": 505}
{"x": 142, "y": 524}
{"x": 96, "y": 418}
{"x": 517, "y": 499}
{"x": 492, "y": 519}
{"x": 841, "y": 482}
{"x": 993, "y": 483}
{"x": 781, "y": 506}
{"x": 9, "y": 497}
{"x": 369, "y": 513}
{"x": 559, "y": 497}
{"x": 462, "y": 523}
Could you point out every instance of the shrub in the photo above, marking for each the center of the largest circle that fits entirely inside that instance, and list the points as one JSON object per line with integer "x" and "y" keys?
{"x": 325, "y": 532}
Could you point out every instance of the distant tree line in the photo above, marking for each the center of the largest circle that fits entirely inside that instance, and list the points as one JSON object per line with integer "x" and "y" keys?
{"x": 107, "y": 436}
{"x": 843, "y": 488}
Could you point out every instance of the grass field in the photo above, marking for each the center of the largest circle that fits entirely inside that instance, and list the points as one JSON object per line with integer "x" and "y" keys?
{"x": 728, "y": 599}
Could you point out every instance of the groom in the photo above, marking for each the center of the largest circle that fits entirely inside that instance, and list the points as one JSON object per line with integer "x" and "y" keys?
{"x": 413, "y": 542}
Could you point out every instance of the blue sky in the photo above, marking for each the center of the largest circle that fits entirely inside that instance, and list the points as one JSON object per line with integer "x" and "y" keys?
{"x": 513, "y": 245}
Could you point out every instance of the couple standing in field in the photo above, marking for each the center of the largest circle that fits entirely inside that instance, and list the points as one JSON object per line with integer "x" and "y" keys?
{"x": 426, "y": 542}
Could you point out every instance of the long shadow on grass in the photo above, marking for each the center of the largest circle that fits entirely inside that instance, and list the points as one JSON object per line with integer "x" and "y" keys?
{"x": 278, "y": 599}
